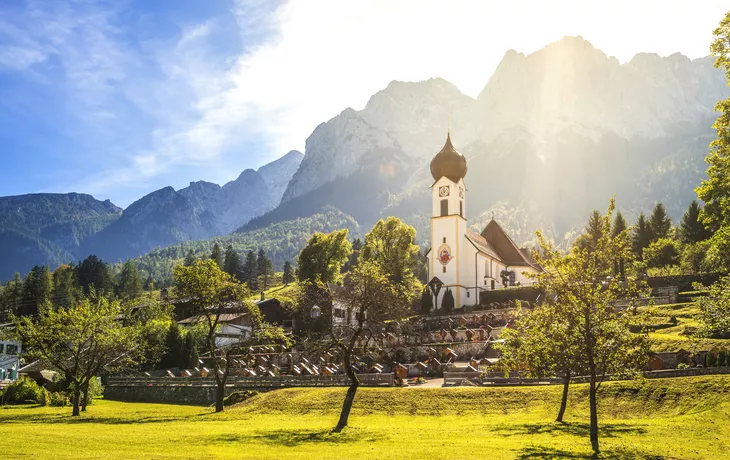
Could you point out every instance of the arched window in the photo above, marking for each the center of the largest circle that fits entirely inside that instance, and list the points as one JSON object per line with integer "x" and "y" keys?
{"x": 444, "y": 207}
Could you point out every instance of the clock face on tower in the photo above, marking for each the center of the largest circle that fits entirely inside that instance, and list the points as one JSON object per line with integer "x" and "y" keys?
{"x": 461, "y": 192}
{"x": 444, "y": 190}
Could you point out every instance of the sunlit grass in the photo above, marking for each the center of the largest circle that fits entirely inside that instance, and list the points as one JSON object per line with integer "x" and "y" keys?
{"x": 669, "y": 418}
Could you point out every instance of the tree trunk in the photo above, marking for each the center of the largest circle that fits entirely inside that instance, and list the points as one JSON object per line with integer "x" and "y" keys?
{"x": 85, "y": 398}
{"x": 594, "y": 416}
{"x": 350, "y": 397}
{"x": 76, "y": 399}
{"x": 564, "y": 401}
{"x": 220, "y": 391}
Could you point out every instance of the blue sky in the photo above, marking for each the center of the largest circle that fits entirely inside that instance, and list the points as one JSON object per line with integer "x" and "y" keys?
{"x": 119, "y": 98}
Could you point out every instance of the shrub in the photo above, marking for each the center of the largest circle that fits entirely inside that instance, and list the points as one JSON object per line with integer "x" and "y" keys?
{"x": 24, "y": 391}
{"x": 58, "y": 399}
{"x": 682, "y": 366}
{"x": 95, "y": 389}
{"x": 661, "y": 253}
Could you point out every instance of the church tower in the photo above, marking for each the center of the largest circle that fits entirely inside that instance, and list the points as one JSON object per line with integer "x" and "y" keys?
{"x": 448, "y": 223}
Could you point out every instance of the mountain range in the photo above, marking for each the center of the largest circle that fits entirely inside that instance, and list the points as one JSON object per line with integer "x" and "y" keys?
{"x": 553, "y": 135}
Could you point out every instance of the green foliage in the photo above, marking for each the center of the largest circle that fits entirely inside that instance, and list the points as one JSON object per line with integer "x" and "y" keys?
{"x": 189, "y": 258}
{"x": 216, "y": 255}
{"x": 391, "y": 245}
{"x": 447, "y": 302}
{"x": 281, "y": 241}
{"x": 714, "y": 310}
{"x": 94, "y": 275}
{"x": 37, "y": 290}
{"x": 426, "y": 302}
{"x": 659, "y": 222}
{"x": 592, "y": 232}
{"x": 619, "y": 225}
{"x": 641, "y": 236}
{"x": 323, "y": 256}
{"x": 232, "y": 263}
{"x": 288, "y": 275}
{"x": 661, "y": 253}
{"x": 691, "y": 228}
{"x": 715, "y": 190}
{"x": 23, "y": 391}
{"x": 85, "y": 339}
{"x": 693, "y": 257}
{"x": 130, "y": 281}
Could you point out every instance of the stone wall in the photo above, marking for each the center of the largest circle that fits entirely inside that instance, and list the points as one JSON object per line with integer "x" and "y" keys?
{"x": 196, "y": 395}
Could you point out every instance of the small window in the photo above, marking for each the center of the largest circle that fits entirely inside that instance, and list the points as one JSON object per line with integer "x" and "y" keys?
{"x": 2, "y": 348}
{"x": 492, "y": 284}
{"x": 444, "y": 240}
{"x": 11, "y": 349}
{"x": 467, "y": 293}
{"x": 485, "y": 282}
{"x": 444, "y": 270}
{"x": 444, "y": 207}
{"x": 461, "y": 208}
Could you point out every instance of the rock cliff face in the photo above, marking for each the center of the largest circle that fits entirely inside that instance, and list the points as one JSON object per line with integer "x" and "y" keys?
{"x": 278, "y": 173}
{"x": 166, "y": 216}
{"x": 559, "y": 130}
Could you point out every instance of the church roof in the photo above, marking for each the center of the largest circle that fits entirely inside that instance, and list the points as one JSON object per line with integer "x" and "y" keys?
{"x": 448, "y": 163}
{"x": 505, "y": 247}
{"x": 481, "y": 243}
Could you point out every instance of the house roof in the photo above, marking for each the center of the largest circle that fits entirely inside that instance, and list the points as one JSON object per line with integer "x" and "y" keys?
{"x": 508, "y": 251}
{"x": 223, "y": 318}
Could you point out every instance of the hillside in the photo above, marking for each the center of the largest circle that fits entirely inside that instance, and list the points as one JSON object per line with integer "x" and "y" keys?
{"x": 48, "y": 228}
{"x": 282, "y": 242}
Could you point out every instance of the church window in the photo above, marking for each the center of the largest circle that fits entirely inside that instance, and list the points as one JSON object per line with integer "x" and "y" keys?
{"x": 467, "y": 293}
{"x": 444, "y": 269}
{"x": 444, "y": 240}
{"x": 461, "y": 208}
{"x": 444, "y": 207}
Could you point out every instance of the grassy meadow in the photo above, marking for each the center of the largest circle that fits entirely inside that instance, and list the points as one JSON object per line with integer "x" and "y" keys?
{"x": 683, "y": 418}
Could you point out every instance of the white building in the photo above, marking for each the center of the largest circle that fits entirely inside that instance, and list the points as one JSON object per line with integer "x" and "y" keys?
{"x": 467, "y": 262}
{"x": 9, "y": 357}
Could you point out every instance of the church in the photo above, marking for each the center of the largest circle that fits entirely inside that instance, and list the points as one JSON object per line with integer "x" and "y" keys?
{"x": 460, "y": 259}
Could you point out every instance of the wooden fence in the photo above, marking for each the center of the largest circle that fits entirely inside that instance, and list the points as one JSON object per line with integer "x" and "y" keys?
{"x": 478, "y": 378}
{"x": 283, "y": 381}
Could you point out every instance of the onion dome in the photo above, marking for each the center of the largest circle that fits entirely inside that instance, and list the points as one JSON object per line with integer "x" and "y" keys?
{"x": 449, "y": 163}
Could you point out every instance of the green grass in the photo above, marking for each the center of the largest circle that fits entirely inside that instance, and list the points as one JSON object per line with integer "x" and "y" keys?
{"x": 680, "y": 336}
{"x": 683, "y": 418}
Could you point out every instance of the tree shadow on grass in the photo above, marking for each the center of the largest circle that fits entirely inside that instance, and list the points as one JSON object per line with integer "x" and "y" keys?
{"x": 606, "y": 430}
{"x": 289, "y": 438}
{"x": 68, "y": 419}
{"x": 542, "y": 453}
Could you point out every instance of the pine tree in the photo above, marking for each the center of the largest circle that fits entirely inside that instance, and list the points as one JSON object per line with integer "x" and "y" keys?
{"x": 619, "y": 225}
{"x": 250, "y": 268}
{"x": 189, "y": 259}
{"x": 93, "y": 272}
{"x": 447, "y": 303}
{"x": 264, "y": 268}
{"x": 288, "y": 275}
{"x": 130, "y": 282}
{"x": 232, "y": 263}
{"x": 191, "y": 352}
{"x": 37, "y": 290}
{"x": 640, "y": 236}
{"x": 65, "y": 287}
{"x": 217, "y": 255}
{"x": 426, "y": 302}
{"x": 659, "y": 222}
{"x": 691, "y": 229}
{"x": 592, "y": 232}
{"x": 149, "y": 285}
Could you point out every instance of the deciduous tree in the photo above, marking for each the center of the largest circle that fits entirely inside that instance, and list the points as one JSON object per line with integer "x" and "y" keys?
{"x": 211, "y": 293}
{"x": 323, "y": 256}
{"x": 588, "y": 297}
